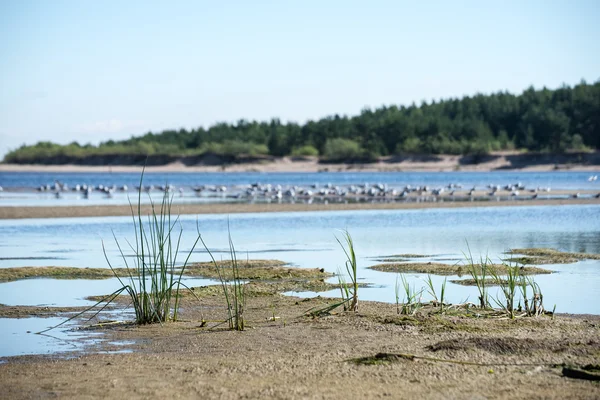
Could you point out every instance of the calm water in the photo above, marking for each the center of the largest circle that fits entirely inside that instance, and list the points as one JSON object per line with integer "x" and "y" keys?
{"x": 307, "y": 240}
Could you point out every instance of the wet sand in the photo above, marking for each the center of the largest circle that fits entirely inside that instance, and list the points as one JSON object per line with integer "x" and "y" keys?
{"x": 295, "y": 356}
{"x": 234, "y": 208}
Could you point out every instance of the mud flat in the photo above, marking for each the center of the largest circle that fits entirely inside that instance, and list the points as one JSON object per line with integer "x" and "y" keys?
{"x": 285, "y": 354}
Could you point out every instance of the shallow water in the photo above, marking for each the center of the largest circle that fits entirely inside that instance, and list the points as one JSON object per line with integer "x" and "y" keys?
{"x": 307, "y": 240}
{"x": 20, "y": 187}
{"x": 19, "y": 338}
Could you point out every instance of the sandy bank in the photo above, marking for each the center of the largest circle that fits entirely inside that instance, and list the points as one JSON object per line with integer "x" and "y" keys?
{"x": 295, "y": 356}
{"x": 417, "y": 163}
{"x": 184, "y": 209}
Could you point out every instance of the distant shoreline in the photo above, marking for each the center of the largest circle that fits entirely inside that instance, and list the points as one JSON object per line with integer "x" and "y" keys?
{"x": 501, "y": 161}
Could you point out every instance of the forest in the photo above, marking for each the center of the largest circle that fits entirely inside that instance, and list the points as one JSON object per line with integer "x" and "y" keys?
{"x": 545, "y": 120}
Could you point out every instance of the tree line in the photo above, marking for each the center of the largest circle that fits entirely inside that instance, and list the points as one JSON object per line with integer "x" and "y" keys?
{"x": 543, "y": 120}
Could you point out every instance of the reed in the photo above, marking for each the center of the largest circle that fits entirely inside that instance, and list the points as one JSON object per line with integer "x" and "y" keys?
{"x": 412, "y": 297}
{"x": 153, "y": 278}
{"x": 479, "y": 273}
{"x": 350, "y": 290}
{"x": 431, "y": 290}
{"x": 232, "y": 285}
{"x": 533, "y": 306}
{"x": 508, "y": 286}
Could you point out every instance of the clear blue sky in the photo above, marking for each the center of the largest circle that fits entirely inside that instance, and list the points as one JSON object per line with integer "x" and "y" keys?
{"x": 98, "y": 70}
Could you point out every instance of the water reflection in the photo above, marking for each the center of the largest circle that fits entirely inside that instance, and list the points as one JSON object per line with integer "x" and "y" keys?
{"x": 307, "y": 240}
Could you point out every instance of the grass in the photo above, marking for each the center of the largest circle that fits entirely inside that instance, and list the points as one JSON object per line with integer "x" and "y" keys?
{"x": 154, "y": 279}
{"x": 479, "y": 275}
{"x": 233, "y": 287}
{"x": 412, "y": 298}
{"x": 508, "y": 287}
{"x": 534, "y": 306}
{"x": 349, "y": 291}
{"x": 430, "y": 288}
{"x": 152, "y": 276}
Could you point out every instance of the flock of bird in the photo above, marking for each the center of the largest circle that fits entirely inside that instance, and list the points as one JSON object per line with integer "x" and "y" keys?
{"x": 269, "y": 192}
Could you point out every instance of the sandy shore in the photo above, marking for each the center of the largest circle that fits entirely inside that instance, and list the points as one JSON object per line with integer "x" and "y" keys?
{"x": 295, "y": 356}
{"x": 438, "y": 163}
{"x": 234, "y": 208}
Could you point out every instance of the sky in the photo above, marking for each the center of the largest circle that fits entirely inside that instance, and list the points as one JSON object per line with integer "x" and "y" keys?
{"x": 90, "y": 71}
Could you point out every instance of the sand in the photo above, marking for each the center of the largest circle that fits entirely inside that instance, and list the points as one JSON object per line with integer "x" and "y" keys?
{"x": 233, "y": 208}
{"x": 438, "y": 163}
{"x": 295, "y": 356}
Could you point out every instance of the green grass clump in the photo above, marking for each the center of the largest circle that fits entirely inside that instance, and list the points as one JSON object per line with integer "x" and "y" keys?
{"x": 349, "y": 291}
{"x": 479, "y": 273}
{"x": 154, "y": 279}
{"x": 412, "y": 298}
{"x": 437, "y": 301}
{"x": 233, "y": 286}
{"x": 508, "y": 287}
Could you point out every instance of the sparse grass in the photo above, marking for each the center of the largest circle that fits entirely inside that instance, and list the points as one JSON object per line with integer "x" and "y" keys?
{"x": 153, "y": 279}
{"x": 349, "y": 291}
{"x": 430, "y": 288}
{"x": 508, "y": 287}
{"x": 412, "y": 299}
{"x": 479, "y": 275}
{"x": 232, "y": 285}
{"x": 533, "y": 306}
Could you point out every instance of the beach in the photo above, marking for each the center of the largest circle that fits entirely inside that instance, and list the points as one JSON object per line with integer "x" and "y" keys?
{"x": 282, "y": 354}
{"x": 505, "y": 160}
{"x": 285, "y": 352}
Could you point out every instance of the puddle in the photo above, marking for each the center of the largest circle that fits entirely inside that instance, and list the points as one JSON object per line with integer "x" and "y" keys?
{"x": 55, "y": 292}
{"x": 67, "y": 292}
{"x": 19, "y": 338}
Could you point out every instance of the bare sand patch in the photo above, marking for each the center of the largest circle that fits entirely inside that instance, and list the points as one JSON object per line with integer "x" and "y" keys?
{"x": 295, "y": 356}
{"x": 19, "y": 212}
